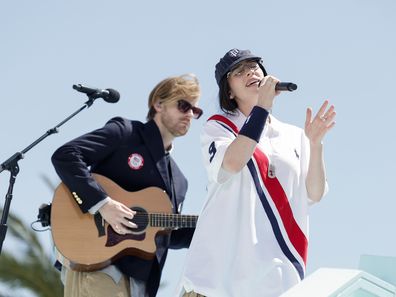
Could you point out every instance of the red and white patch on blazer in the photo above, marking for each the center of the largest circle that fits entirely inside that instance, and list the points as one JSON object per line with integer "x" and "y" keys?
{"x": 135, "y": 161}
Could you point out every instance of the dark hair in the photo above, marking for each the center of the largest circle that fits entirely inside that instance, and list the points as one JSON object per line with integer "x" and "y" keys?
{"x": 227, "y": 104}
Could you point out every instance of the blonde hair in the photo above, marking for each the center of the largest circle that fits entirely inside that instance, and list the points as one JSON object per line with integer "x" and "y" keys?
{"x": 171, "y": 89}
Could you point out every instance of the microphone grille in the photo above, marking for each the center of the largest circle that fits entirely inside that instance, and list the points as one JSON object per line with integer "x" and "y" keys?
{"x": 112, "y": 97}
{"x": 292, "y": 87}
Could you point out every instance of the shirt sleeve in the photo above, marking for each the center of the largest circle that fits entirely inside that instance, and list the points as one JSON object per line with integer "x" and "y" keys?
{"x": 94, "y": 209}
{"x": 215, "y": 139}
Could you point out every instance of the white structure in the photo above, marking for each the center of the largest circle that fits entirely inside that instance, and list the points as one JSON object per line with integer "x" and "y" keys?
{"x": 331, "y": 282}
{"x": 380, "y": 266}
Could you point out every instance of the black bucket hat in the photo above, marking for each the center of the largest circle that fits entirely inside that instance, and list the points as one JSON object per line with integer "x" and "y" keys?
{"x": 232, "y": 58}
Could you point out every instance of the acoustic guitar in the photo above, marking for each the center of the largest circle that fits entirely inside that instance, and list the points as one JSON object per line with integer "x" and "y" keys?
{"x": 85, "y": 242}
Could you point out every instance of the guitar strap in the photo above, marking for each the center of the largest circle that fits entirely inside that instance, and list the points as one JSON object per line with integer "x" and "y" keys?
{"x": 172, "y": 184}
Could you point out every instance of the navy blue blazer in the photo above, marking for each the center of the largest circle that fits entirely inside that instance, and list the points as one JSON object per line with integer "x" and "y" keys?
{"x": 131, "y": 154}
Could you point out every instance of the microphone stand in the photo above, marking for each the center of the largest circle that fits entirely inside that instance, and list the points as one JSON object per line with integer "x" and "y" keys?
{"x": 11, "y": 164}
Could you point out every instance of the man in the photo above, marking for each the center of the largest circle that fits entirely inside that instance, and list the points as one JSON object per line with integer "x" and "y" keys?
{"x": 135, "y": 156}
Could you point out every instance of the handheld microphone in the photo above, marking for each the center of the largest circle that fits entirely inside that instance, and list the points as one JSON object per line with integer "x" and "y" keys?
{"x": 285, "y": 86}
{"x": 108, "y": 95}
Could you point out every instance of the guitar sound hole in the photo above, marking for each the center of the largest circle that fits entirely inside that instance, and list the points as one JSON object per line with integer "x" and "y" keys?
{"x": 141, "y": 219}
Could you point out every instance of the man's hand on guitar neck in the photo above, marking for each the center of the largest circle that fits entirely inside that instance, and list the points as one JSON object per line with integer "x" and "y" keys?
{"x": 118, "y": 216}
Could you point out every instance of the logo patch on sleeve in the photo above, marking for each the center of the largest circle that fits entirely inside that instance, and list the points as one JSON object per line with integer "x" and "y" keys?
{"x": 135, "y": 161}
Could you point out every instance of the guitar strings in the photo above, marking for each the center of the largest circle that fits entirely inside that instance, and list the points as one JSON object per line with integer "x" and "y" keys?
{"x": 163, "y": 218}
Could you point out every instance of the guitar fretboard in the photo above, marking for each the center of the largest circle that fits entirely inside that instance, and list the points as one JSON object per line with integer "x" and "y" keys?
{"x": 172, "y": 221}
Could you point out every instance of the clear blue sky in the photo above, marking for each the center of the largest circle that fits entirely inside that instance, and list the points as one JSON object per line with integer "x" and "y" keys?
{"x": 339, "y": 50}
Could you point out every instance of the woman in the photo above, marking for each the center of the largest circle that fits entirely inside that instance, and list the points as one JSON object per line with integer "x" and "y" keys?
{"x": 252, "y": 234}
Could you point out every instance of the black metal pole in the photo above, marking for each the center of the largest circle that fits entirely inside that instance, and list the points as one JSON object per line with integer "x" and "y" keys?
{"x": 11, "y": 164}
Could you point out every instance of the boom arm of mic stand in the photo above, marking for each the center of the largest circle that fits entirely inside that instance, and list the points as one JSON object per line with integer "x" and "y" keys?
{"x": 11, "y": 164}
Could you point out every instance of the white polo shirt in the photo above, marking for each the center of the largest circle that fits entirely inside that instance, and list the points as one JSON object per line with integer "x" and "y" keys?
{"x": 252, "y": 234}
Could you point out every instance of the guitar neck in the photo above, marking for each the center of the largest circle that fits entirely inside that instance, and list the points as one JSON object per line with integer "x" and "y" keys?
{"x": 172, "y": 221}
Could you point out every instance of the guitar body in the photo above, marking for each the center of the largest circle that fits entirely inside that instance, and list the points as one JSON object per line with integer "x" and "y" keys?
{"x": 85, "y": 242}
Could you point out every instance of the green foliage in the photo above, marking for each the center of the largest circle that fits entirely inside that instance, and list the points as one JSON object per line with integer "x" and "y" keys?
{"x": 34, "y": 270}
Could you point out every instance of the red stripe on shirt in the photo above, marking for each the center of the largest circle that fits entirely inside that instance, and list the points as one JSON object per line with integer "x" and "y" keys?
{"x": 278, "y": 195}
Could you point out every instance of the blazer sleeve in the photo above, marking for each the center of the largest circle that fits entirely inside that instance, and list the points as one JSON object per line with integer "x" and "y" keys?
{"x": 72, "y": 161}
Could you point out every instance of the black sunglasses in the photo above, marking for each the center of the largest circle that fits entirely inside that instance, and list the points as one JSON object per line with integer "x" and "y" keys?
{"x": 185, "y": 106}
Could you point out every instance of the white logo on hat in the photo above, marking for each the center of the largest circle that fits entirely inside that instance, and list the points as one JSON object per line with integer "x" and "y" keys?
{"x": 135, "y": 161}
{"x": 234, "y": 52}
